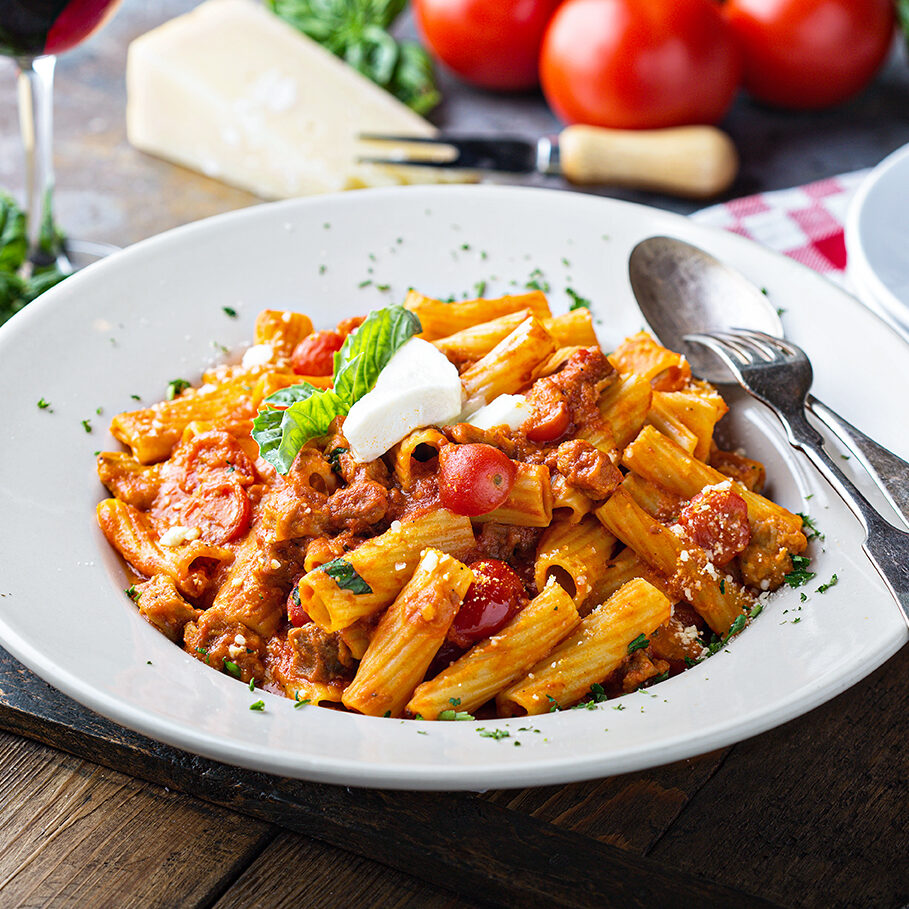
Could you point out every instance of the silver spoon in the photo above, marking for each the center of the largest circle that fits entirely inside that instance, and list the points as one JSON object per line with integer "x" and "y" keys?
{"x": 683, "y": 290}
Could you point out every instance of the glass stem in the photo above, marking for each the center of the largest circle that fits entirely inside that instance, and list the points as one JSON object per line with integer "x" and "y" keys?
{"x": 36, "y": 120}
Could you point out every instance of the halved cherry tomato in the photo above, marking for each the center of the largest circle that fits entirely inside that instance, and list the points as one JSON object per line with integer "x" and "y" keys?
{"x": 296, "y": 614}
{"x": 474, "y": 479}
{"x": 551, "y": 414}
{"x": 491, "y": 601}
{"x": 314, "y": 355}
{"x": 215, "y": 456}
{"x": 717, "y": 520}
{"x": 221, "y": 511}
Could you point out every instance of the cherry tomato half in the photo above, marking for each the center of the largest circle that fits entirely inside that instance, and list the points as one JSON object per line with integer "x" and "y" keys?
{"x": 551, "y": 414}
{"x": 296, "y": 614}
{"x": 805, "y": 54}
{"x": 474, "y": 479}
{"x": 315, "y": 354}
{"x": 717, "y": 520}
{"x": 221, "y": 511}
{"x": 639, "y": 64}
{"x": 491, "y": 601}
{"x": 491, "y": 43}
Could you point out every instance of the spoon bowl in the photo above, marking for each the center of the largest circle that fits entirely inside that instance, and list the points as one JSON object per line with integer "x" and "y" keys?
{"x": 683, "y": 290}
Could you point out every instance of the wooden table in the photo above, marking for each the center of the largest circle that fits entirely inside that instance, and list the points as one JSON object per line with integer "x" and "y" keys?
{"x": 812, "y": 814}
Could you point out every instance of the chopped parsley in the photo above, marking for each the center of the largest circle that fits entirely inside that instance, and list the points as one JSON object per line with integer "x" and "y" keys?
{"x": 232, "y": 668}
{"x": 301, "y": 702}
{"x": 136, "y": 397}
{"x": 87, "y": 425}
{"x": 175, "y": 388}
{"x": 229, "y": 311}
{"x": 831, "y": 583}
{"x": 537, "y": 281}
{"x": 252, "y": 684}
{"x": 455, "y": 715}
{"x": 345, "y": 576}
{"x": 455, "y": 702}
{"x": 577, "y": 301}
{"x": 639, "y": 643}
{"x": 479, "y": 289}
{"x": 44, "y": 404}
{"x": 257, "y": 705}
{"x": 493, "y": 733}
{"x": 800, "y": 574}
{"x": 597, "y": 693}
{"x": 809, "y": 528}
{"x": 132, "y": 593}
{"x": 553, "y": 703}
{"x": 204, "y": 653}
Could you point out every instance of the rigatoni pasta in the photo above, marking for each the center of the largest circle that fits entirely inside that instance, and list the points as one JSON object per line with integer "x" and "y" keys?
{"x": 537, "y": 525}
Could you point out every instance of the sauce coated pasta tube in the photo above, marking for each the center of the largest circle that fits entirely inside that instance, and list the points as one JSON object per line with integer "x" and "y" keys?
{"x": 590, "y": 653}
{"x": 408, "y": 636}
{"x": 379, "y": 568}
{"x": 495, "y": 663}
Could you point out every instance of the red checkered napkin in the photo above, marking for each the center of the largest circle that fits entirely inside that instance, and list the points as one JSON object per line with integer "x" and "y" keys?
{"x": 805, "y": 223}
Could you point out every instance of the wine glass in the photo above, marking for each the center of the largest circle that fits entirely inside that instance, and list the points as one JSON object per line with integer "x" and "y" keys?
{"x": 33, "y": 32}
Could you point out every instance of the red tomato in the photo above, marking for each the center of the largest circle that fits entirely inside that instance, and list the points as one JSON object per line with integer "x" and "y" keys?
{"x": 315, "y": 354}
{"x": 296, "y": 614}
{"x": 474, "y": 479}
{"x": 551, "y": 414}
{"x": 491, "y": 43}
{"x": 717, "y": 520}
{"x": 639, "y": 64}
{"x": 221, "y": 511}
{"x": 805, "y": 54}
{"x": 491, "y": 600}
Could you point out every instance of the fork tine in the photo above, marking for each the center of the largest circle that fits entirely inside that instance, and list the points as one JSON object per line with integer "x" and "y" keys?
{"x": 771, "y": 340}
{"x": 733, "y": 342}
{"x": 731, "y": 357}
{"x": 767, "y": 352}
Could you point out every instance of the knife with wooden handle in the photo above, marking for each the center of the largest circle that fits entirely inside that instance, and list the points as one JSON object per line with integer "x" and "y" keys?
{"x": 696, "y": 162}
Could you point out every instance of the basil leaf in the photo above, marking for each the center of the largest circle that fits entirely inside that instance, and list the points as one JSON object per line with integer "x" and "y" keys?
{"x": 367, "y": 351}
{"x": 345, "y": 576}
{"x": 357, "y": 32}
{"x": 281, "y": 434}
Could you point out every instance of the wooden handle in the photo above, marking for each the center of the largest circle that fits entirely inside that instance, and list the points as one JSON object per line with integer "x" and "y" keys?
{"x": 693, "y": 161}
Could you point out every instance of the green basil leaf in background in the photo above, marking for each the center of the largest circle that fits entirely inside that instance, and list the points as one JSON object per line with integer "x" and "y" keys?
{"x": 345, "y": 576}
{"x": 367, "y": 350}
{"x": 414, "y": 80}
{"x": 13, "y": 236}
{"x": 11, "y": 295}
{"x": 357, "y": 31}
{"x": 902, "y": 14}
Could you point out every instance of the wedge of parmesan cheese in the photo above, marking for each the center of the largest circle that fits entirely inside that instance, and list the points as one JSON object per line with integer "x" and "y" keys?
{"x": 231, "y": 90}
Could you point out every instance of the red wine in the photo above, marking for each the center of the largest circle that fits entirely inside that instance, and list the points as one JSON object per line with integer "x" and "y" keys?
{"x": 29, "y": 28}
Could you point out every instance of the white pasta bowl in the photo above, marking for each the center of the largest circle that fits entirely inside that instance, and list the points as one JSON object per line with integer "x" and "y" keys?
{"x": 155, "y": 312}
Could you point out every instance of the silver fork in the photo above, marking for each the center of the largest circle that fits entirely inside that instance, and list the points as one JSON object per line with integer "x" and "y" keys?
{"x": 779, "y": 373}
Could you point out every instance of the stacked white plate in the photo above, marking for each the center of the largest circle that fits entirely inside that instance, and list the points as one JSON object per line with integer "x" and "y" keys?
{"x": 877, "y": 239}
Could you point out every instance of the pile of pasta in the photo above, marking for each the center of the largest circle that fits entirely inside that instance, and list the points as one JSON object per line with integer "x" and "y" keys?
{"x": 611, "y": 526}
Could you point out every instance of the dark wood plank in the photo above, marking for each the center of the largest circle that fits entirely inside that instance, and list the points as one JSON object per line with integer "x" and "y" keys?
{"x": 73, "y": 834}
{"x": 813, "y": 814}
{"x": 631, "y": 811}
{"x": 457, "y": 841}
{"x": 295, "y": 871}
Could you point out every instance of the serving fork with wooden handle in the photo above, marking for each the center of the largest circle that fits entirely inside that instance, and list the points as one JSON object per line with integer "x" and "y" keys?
{"x": 696, "y": 162}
